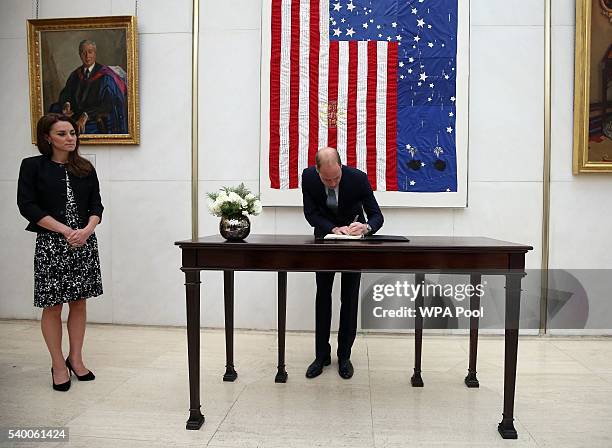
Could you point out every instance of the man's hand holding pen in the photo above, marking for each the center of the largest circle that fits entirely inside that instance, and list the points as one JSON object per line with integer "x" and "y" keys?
{"x": 355, "y": 228}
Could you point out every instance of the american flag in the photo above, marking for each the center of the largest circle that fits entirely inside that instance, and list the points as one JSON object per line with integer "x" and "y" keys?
{"x": 375, "y": 79}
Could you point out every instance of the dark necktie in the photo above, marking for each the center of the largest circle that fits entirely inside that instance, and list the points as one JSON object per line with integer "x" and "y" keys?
{"x": 87, "y": 73}
{"x": 332, "y": 200}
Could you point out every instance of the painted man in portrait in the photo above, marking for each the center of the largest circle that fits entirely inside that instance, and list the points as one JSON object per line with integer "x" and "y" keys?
{"x": 95, "y": 95}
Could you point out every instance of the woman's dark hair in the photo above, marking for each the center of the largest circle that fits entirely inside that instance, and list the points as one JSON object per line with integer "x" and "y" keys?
{"x": 76, "y": 164}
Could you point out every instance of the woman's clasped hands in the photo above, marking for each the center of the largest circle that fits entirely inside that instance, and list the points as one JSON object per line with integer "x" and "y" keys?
{"x": 76, "y": 238}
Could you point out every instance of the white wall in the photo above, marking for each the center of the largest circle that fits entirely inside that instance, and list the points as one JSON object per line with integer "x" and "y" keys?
{"x": 506, "y": 141}
{"x": 146, "y": 188}
{"x": 580, "y": 214}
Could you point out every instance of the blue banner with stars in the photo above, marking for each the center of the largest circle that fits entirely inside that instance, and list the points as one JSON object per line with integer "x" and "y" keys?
{"x": 426, "y": 35}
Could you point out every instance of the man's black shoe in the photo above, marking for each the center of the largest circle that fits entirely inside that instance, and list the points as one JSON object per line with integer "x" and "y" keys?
{"x": 316, "y": 368}
{"x": 345, "y": 368}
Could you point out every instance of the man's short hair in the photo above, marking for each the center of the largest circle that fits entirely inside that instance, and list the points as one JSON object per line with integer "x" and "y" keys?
{"x": 318, "y": 159}
{"x": 86, "y": 42}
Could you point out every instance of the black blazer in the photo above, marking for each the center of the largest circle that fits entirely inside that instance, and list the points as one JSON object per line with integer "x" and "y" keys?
{"x": 354, "y": 197}
{"x": 41, "y": 191}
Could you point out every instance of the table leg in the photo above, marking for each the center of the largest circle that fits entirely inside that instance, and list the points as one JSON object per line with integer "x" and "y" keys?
{"x": 228, "y": 300}
{"x": 281, "y": 375}
{"x": 513, "y": 307}
{"x": 417, "y": 380}
{"x": 470, "y": 379}
{"x": 192, "y": 290}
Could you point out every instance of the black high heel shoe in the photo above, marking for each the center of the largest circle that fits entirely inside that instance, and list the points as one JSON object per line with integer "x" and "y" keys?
{"x": 89, "y": 376}
{"x": 61, "y": 387}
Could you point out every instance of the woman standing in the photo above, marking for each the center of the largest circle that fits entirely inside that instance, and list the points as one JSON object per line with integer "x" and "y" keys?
{"x": 59, "y": 194}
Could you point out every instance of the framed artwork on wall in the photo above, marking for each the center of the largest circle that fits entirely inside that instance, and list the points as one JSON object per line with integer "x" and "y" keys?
{"x": 593, "y": 87}
{"x": 386, "y": 83}
{"x": 86, "y": 68}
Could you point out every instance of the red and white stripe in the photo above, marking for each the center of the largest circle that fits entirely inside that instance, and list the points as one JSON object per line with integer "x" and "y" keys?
{"x": 309, "y": 77}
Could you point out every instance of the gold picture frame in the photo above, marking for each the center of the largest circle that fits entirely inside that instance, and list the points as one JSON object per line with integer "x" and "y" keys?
{"x": 593, "y": 87}
{"x": 101, "y": 96}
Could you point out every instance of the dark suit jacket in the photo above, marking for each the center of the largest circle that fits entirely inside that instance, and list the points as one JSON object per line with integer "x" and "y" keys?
{"x": 354, "y": 197}
{"x": 41, "y": 191}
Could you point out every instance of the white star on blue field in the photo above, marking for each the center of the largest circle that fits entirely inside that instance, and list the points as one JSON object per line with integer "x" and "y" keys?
{"x": 426, "y": 34}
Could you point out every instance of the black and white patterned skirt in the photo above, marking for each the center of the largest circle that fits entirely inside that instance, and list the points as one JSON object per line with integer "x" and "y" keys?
{"x": 63, "y": 274}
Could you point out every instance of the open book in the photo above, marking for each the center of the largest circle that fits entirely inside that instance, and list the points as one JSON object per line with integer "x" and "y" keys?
{"x": 333, "y": 236}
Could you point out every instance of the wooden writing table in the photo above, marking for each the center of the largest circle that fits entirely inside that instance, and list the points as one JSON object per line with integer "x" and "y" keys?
{"x": 301, "y": 253}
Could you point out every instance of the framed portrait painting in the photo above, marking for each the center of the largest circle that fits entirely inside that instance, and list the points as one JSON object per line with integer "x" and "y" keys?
{"x": 593, "y": 87}
{"x": 86, "y": 68}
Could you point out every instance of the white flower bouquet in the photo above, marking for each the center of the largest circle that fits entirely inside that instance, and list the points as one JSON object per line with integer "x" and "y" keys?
{"x": 231, "y": 202}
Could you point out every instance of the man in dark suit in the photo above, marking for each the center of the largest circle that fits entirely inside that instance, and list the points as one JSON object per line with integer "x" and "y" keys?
{"x": 335, "y": 198}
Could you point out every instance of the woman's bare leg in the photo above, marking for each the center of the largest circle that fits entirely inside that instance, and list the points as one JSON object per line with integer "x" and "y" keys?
{"x": 51, "y": 326}
{"x": 76, "y": 334}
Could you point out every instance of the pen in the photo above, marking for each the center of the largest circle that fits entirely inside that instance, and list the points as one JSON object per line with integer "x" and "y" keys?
{"x": 355, "y": 219}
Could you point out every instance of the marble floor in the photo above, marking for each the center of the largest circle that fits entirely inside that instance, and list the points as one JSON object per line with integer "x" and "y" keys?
{"x": 140, "y": 395}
